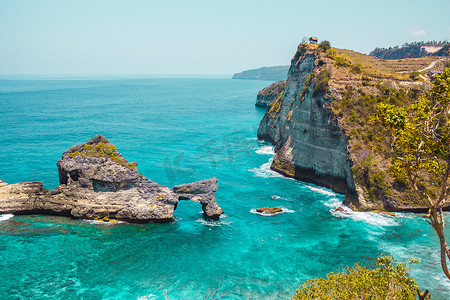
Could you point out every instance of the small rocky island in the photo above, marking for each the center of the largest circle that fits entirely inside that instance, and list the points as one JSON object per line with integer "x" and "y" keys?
{"x": 269, "y": 211}
{"x": 96, "y": 182}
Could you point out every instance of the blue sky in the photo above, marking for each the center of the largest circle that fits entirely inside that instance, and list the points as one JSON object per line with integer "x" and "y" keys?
{"x": 198, "y": 36}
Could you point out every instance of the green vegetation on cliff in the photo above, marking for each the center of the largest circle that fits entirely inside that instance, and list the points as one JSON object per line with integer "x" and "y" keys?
{"x": 418, "y": 137}
{"x": 98, "y": 147}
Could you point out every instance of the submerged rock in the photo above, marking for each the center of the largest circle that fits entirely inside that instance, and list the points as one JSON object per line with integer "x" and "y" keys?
{"x": 98, "y": 183}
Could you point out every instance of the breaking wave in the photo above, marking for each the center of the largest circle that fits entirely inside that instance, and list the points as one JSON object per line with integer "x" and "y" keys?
{"x": 265, "y": 171}
{"x": 376, "y": 219}
{"x": 5, "y": 217}
{"x": 268, "y": 150}
{"x": 214, "y": 223}
{"x": 320, "y": 190}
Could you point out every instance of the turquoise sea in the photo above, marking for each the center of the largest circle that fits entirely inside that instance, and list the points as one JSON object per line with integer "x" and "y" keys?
{"x": 180, "y": 130}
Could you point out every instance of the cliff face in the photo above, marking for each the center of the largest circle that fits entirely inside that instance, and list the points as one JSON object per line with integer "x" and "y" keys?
{"x": 270, "y": 93}
{"x": 321, "y": 124}
{"x": 310, "y": 145}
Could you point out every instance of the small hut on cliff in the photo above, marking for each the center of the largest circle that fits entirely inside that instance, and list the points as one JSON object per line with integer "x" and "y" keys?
{"x": 313, "y": 40}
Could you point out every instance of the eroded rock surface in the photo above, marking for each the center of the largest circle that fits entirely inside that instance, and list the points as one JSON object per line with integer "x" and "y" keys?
{"x": 97, "y": 182}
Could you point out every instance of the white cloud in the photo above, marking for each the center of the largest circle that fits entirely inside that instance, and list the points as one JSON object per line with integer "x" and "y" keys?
{"x": 416, "y": 32}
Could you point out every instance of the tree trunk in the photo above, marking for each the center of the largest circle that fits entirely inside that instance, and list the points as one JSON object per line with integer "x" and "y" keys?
{"x": 438, "y": 226}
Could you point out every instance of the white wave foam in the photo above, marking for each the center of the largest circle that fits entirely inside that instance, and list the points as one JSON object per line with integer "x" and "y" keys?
{"x": 319, "y": 190}
{"x": 333, "y": 203}
{"x": 265, "y": 171}
{"x": 284, "y": 210}
{"x": 104, "y": 222}
{"x": 6, "y": 217}
{"x": 147, "y": 297}
{"x": 214, "y": 223}
{"x": 268, "y": 150}
{"x": 376, "y": 219}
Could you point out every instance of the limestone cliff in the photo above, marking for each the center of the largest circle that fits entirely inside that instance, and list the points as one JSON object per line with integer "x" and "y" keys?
{"x": 321, "y": 126}
{"x": 97, "y": 182}
{"x": 309, "y": 143}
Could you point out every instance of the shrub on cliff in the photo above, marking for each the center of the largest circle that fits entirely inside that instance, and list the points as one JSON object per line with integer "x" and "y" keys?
{"x": 342, "y": 62}
{"x": 324, "y": 46}
{"x": 321, "y": 82}
{"x": 389, "y": 281}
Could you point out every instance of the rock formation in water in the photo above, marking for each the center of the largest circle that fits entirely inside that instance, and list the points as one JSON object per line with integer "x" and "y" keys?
{"x": 270, "y": 211}
{"x": 321, "y": 129}
{"x": 270, "y": 93}
{"x": 97, "y": 182}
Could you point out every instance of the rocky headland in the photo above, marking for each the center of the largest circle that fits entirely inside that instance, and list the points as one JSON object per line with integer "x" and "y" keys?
{"x": 96, "y": 182}
{"x": 321, "y": 124}
{"x": 270, "y": 93}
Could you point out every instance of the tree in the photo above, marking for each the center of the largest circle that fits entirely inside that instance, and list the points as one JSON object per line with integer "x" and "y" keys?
{"x": 419, "y": 142}
{"x": 389, "y": 281}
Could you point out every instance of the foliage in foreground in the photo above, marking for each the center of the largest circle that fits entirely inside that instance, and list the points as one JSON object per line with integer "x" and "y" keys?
{"x": 389, "y": 281}
{"x": 419, "y": 140}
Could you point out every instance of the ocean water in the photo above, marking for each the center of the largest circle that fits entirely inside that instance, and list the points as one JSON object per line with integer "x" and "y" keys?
{"x": 180, "y": 130}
